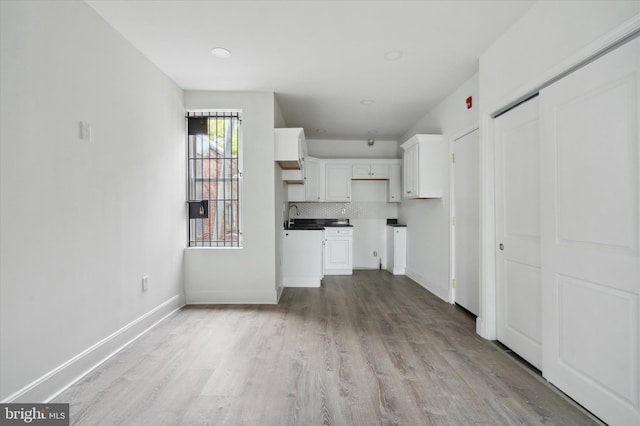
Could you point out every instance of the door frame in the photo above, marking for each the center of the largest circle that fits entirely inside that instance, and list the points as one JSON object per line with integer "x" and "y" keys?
{"x": 452, "y": 206}
{"x": 486, "y": 323}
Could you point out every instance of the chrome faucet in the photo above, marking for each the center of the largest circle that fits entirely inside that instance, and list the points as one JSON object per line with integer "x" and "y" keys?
{"x": 289, "y": 220}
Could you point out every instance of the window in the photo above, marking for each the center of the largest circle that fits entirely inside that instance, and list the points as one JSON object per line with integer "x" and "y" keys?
{"x": 214, "y": 179}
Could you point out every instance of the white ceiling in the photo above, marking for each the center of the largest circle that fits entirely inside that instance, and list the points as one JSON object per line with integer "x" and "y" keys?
{"x": 321, "y": 58}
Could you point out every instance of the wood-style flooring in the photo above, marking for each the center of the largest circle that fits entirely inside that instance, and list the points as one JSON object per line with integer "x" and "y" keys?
{"x": 369, "y": 349}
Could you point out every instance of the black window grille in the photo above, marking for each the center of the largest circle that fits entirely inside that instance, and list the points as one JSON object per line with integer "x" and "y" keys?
{"x": 214, "y": 179}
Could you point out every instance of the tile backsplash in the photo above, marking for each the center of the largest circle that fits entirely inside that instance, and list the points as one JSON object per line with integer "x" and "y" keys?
{"x": 353, "y": 210}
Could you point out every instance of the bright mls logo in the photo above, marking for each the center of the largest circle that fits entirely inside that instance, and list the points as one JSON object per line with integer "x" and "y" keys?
{"x": 34, "y": 414}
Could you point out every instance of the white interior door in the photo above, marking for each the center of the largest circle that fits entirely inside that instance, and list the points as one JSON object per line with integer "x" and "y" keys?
{"x": 466, "y": 177}
{"x": 518, "y": 231}
{"x": 591, "y": 233}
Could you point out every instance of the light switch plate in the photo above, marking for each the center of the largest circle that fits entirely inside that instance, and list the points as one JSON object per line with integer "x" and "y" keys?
{"x": 85, "y": 131}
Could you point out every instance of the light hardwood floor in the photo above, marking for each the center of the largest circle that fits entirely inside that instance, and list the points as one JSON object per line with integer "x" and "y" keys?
{"x": 363, "y": 350}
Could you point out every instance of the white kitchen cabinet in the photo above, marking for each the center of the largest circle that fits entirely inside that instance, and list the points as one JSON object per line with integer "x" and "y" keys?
{"x": 290, "y": 148}
{"x": 302, "y": 257}
{"x": 338, "y": 251}
{"x": 410, "y": 178}
{"x": 313, "y": 179}
{"x": 394, "y": 185}
{"x": 425, "y": 159}
{"x": 337, "y": 182}
{"x": 396, "y": 250}
{"x": 369, "y": 171}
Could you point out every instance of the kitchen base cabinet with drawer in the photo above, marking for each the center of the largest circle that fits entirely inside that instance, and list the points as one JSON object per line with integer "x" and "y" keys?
{"x": 302, "y": 258}
{"x": 338, "y": 251}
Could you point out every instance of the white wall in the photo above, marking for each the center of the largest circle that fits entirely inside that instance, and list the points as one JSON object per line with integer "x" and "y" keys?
{"x": 248, "y": 274}
{"x": 369, "y": 227}
{"x": 326, "y": 148}
{"x": 82, "y": 222}
{"x": 278, "y": 118}
{"x": 428, "y": 220}
{"x": 549, "y": 33}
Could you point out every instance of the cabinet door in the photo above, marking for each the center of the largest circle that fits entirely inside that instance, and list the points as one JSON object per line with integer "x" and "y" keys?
{"x": 338, "y": 182}
{"x": 400, "y": 250}
{"x": 379, "y": 171}
{"x": 394, "y": 190}
{"x": 390, "y": 249}
{"x": 361, "y": 171}
{"x": 313, "y": 180}
{"x": 338, "y": 256}
{"x": 411, "y": 172}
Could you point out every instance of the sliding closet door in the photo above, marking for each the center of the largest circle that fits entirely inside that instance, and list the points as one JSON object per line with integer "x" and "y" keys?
{"x": 589, "y": 128}
{"x": 518, "y": 231}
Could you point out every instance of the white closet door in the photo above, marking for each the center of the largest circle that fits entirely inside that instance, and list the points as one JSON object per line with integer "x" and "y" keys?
{"x": 591, "y": 232}
{"x": 518, "y": 231}
{"x": 467, "y": 228}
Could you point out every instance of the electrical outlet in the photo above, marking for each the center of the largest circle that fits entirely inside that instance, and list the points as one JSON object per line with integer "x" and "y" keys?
{"x": 375, "y": 253}
{"x": 145, "y": 283}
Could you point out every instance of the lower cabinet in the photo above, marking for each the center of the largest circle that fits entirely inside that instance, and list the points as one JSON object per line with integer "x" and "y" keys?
{"x": 338, "y": 251}
{"x": 302, "y": 258}
{"x": 396, "y": 250}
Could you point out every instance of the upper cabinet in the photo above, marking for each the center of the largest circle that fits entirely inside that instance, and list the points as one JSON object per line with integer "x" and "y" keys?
{"x": 337, "y": 182}
{"x": 424, "y": 166}
{"x": 370, "y": 171}
{"x": 313, "y": 179}
{"x": 290, "y": 148}
{"x": 330, "y": 179}
{"x": 394, "y": 188}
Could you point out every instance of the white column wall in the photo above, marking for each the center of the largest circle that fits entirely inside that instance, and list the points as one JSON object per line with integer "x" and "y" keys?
{"x": 247, "y": 274}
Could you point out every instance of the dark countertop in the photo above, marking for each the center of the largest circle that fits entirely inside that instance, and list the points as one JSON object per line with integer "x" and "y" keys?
{"x": 317, "y": 224}
{"x": 396, "y": 225}
{"x": 304, "y": 228}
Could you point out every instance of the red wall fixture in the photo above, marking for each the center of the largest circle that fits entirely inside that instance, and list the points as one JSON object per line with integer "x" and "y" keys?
{"x": 469, "y": 102}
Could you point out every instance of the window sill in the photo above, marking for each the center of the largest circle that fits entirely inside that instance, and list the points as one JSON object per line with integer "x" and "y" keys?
{"x": 214, "y": 248}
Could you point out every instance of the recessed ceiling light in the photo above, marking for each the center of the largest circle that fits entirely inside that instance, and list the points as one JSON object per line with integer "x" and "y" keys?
{"x": 367, "y": 101}
{"x": 220, "y": 52}
{"x": 393, "y": 55}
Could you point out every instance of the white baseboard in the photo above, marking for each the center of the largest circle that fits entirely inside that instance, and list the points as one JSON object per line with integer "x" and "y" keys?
{"x": 441, "y": 292}
{"x": 293, "y": 281}
{"x": 399, "y": 270}
{"x": 232, "y": 297}
{"x": 50, "y": 385}
{"x": 338, "y": 271}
